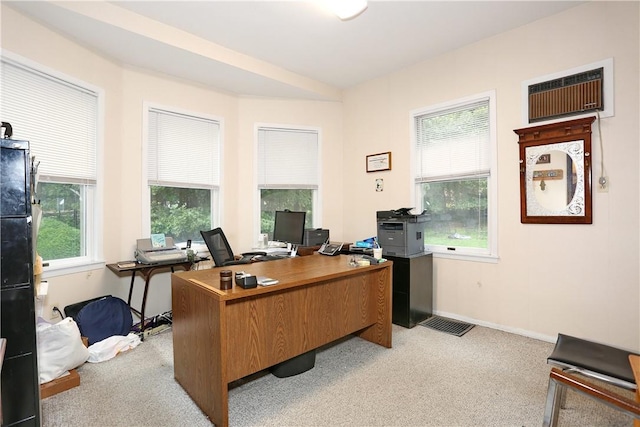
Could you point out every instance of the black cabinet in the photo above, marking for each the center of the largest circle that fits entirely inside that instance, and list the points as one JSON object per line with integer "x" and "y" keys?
{"x": 16, "y": 251}
{"x": 412, "y": 289}
{"x": 20, "y": 379}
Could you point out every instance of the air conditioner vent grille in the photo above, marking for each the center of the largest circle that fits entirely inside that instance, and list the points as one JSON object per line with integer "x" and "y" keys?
{"x": 566, "y": 96}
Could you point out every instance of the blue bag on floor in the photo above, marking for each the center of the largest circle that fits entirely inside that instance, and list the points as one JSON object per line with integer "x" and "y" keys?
{"x": 104, "y": 318}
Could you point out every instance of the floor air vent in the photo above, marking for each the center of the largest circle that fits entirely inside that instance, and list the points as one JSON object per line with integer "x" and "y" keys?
{"x": 452, "y": 327}
{"x": 567, "y": 96}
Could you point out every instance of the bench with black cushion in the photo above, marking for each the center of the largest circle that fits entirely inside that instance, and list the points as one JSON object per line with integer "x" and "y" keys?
{"x": 594, "y": 360}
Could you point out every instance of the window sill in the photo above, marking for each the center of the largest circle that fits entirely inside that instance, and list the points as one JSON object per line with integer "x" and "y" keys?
{"x": 492, "y": 259}
{"x": 63, "y": 269}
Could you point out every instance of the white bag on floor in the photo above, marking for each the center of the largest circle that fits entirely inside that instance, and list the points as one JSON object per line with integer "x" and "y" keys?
{"x": 109, "y": 348}
{"x": 60, "y": 348}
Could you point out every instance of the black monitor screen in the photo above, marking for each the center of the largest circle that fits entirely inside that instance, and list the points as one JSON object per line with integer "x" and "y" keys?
{"x": 289, "y": 227}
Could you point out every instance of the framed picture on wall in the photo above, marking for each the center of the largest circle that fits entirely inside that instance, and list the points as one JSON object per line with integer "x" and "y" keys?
{"x": 379, "y": 162}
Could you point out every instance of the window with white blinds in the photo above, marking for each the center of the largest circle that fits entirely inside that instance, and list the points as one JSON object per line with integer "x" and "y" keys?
{"x": 453, "y": 143}
{"x": 59, "y": 118}
{"x": 183, "y": 173}
{"x": 287, "y": 158}
{"x": 288, "y": 169}
{"x": 183, "y": 150}
{"x": 454, "y": 159}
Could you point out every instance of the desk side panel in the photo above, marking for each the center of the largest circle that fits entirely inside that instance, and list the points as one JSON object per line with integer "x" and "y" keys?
{"x": 270, "y": 328}
{"x": 198, "y": 347}
{"x": 382, "y": 286}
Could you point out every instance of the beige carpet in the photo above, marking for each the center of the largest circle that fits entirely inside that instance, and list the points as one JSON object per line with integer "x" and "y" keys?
{"x": 429, "y": 378}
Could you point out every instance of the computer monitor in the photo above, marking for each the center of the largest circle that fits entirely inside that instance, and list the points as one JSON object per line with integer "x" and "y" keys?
{"x": 289, "y": 227}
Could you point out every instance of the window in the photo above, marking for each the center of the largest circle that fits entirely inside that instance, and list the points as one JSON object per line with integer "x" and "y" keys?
{"x": 287, "y": 174}
{"x": 183, "y": 173}
{"x": 454, "y": 161}
{"x": 59, "y": 116}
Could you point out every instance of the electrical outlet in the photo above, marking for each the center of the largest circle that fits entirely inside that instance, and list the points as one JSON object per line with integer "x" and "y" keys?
{"x": 54, "y": 313}
{"x": 602, "y": 186}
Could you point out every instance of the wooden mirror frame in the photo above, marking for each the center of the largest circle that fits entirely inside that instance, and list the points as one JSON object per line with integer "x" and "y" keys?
{"x": 578, "y": 130}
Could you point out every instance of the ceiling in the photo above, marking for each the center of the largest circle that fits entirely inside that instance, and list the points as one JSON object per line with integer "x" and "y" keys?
{"x": 287, "y": 49}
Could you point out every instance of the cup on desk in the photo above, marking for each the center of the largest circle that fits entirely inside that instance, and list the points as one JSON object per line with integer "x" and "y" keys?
{"x": 263, "y": 240}
{"x": 377, "y": 253}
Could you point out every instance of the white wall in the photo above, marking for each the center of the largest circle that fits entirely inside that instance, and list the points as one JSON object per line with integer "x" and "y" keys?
{"x": 574, "y": 279}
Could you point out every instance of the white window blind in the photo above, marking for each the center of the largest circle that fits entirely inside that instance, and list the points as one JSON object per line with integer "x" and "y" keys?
{"x": 287, "y": 158}
{"x": 453, "y": 143}
{"x": 183, "y": 150}
{"x": 59, "y": 119}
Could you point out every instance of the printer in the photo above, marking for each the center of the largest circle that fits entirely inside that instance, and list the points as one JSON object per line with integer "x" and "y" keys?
{"x": 401, "y": 233}
{"x": 157, "y": 250}
{"x": 315, "y": 236}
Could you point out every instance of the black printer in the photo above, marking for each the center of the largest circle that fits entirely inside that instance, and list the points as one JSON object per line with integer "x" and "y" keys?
{"x": 401, "y": 233}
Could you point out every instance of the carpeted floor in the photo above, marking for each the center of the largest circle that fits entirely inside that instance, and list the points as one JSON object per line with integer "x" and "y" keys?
{"x": 429, "y": 378}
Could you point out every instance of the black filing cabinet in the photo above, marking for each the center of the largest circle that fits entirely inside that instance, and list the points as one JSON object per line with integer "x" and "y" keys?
{"x": 20, "y": 380}
{"x": 412, "y": 288}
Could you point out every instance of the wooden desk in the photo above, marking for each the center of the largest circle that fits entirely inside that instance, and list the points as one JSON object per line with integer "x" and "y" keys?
{"x": 146, "y": 271}
{"x": 221, "y": 336}
{"x": 635, "y": 367}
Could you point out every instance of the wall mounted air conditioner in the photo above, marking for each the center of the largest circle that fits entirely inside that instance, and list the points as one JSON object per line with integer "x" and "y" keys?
{"x": 572, "y": 93}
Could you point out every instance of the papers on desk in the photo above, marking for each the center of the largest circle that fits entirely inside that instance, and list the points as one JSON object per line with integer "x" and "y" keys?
{"x": 266, "y": 281}
{"x": 127, "y": 264}
{"x": 274, "y": 244}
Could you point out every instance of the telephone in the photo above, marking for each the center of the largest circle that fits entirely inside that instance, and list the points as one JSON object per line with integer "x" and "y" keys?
{"x": 330, "y": 248}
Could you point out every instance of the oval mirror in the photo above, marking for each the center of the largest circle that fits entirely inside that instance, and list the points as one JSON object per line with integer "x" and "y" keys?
{"x": 552, "y": 180}
{"x": 555, "y": 173}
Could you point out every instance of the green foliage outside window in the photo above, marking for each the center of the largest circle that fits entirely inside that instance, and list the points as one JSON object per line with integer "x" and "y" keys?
{"x": 273, "y": 200}
{"x": 57, "y": 240}
{"x": 59, "y": 235}
{"x": 180, "y": 212}
{"x": 458, "y": 212}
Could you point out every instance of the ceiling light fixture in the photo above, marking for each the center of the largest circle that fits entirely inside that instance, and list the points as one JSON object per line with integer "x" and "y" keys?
{"x": 346, "y": 9}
